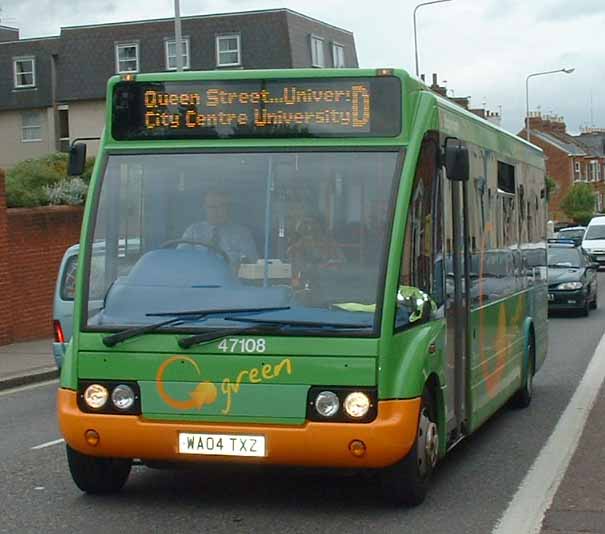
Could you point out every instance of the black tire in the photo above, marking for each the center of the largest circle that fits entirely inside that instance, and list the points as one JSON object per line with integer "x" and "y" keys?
{"x": 585, "y": 311}
{"x": 522, "y": 398}
{"x": 407, "y": 481}
{"x": 97, "y": 475}
{"x": 594, "y": 304}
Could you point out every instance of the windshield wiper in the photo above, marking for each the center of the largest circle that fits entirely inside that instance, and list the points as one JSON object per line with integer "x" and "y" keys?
{"x": 213, "y": 335}
{"x": 114, "y": 339}
{"x": 267, "y": 325}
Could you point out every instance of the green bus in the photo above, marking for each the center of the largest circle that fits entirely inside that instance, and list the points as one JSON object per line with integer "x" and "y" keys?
{"x": 329, "y": 268}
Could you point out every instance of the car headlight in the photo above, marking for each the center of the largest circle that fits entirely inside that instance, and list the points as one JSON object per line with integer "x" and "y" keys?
{"x": 570, "y": 285}
{"x": 327, "y": 404}
{"x": 95, "y": 396}
{"x": 122, "y": 397}
{"x": 357, "y": 404}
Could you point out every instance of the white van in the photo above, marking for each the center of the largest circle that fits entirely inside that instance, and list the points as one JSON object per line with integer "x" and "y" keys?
{"x": 594, "y": 240}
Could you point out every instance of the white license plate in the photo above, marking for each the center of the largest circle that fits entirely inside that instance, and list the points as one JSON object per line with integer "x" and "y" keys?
{"x": 551, "y": 296}
{"x": 222, "y": 444}
{"x": 600, "y": 258}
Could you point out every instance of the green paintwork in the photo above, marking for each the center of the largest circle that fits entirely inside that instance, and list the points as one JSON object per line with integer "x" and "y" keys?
{"x": 398, "y": 363}
{"x": 216, "y": 367}
{"x": 252, "y": 400}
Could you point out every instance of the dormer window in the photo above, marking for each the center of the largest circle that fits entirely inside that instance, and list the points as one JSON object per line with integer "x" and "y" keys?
{"x": 25, "y": 72}
{"x": 127, "y": 58}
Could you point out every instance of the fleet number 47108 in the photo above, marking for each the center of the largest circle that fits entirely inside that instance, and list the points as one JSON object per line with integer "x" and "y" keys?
{"x": 243, "y": 345}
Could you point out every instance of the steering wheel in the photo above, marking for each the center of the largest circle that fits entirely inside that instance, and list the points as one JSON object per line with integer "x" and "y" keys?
{"x": 214, "y": 248}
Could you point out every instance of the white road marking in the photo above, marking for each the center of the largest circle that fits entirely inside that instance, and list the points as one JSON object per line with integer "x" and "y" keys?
{"x": 29, "y": 386}
{"x": 525, "y": 512}
{"x": 47, "y": 444}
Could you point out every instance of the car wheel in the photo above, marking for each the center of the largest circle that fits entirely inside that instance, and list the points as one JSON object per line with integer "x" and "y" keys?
{"x": 407, "y": 481}
{"x": 586, "y": 309}
{"x": 97, "y": 475}
{"x": 594, "y": 303}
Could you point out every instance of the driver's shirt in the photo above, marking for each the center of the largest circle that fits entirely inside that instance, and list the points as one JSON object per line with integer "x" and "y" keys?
{"x": 234, "y": 239}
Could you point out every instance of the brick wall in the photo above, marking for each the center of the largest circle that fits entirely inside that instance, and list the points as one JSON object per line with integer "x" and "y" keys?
{"x": 34, "y": 241}
{"x": 5, "y": 294}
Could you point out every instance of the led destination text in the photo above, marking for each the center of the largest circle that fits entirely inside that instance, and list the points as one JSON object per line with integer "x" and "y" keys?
{"x": 345, "y": 108}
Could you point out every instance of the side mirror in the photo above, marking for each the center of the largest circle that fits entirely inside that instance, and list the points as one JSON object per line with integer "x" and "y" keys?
{"x": 595, "y": 265}
{"x": 77, "y": 159}
{"x": 456, "y": 160}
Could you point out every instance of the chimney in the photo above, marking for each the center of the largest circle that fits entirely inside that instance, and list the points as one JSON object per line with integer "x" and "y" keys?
{"x": 422, "y": 77}
{"x": 435, "y": 84}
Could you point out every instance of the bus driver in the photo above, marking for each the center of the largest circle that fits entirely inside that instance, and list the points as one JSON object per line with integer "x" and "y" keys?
{"x": 219, "y": 231}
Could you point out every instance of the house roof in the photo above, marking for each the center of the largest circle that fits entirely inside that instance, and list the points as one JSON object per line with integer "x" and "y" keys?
{"x": 563, "y": 142}
{"x": 595, "y": 142}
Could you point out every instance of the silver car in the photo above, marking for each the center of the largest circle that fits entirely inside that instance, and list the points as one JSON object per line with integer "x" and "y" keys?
{"x": 65, "y": 289}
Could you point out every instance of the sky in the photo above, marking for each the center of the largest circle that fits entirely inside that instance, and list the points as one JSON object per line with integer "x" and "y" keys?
{"x": 482, "y": 48}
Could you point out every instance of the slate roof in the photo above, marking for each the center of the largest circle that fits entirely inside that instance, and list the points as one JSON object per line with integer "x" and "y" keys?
{"x": 595, "y": 142}
{"x": 85, "y": 55}
{"x": 563, "y": 142}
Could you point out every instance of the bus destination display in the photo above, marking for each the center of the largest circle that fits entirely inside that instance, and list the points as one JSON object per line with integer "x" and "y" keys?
{"x": 207, "y": 109}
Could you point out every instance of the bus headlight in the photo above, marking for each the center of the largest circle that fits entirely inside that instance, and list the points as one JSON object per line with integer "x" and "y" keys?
{"x": 122, "y": 397}
{"x": 95, "y": 396}
{"x": 357, "y": 404}
{"x": 327, "y": 404}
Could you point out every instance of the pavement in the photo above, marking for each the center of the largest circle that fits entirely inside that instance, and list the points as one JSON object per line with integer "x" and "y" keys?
{"x": 577, "y": 507}
{"x": 579, "y": 504}
{"x": 26, "y": 363}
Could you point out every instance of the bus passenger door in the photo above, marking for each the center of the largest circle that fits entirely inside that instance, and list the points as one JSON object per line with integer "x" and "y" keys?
{"x": 457, "y": 297}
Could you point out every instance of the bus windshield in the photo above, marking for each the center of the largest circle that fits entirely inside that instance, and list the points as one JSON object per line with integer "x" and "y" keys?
{"x": 304, "y": 232}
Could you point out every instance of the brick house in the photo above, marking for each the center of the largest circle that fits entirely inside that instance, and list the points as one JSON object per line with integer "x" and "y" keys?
{"x": 52, "y": 89}
{"x": 569, "y": 159}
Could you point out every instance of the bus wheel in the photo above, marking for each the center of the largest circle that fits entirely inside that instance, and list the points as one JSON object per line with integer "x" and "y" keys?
{"x": 97, "y": 475}
{"x": 407, "y": 481}
{"x": 522, "y": 399}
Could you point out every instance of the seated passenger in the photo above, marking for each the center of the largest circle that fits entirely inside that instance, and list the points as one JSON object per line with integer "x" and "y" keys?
{"x": 312, "y": 246}
{"x": 220, "y": 232}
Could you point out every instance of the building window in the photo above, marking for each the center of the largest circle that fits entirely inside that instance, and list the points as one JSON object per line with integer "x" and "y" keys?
{"x": 338, "y": 55}
{"x": 228, "y": 50}
{"x": 171, "y": 54}
{"x": 127, "y": 58}
{"x": 63, "y": 116}
{"x": 317, "y": 51}
{"x": 25, "y": 72}
{"x": 595, "y": 171}
{"x": 31, "y": 129}
{"x": 577, "y": 171}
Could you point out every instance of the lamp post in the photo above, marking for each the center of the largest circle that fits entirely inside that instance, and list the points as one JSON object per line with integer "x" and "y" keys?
{"x": 565, "y": 71}
{"x": 415, "y": 33}
{"x": 178, "y": 44}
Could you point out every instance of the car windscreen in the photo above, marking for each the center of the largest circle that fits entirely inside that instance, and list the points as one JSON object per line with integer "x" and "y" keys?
{"x": 595, "y": 231}
{"x": 561, "y": 257}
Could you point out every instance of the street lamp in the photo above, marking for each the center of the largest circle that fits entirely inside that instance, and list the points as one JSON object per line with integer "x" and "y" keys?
{"x": 178, "y": 45}
{"x": 415, "y": 34}
{"x": 565, "y": 71}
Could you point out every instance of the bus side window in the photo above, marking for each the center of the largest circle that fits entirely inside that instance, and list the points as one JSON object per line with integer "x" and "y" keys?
{"x": 420, "y": 291}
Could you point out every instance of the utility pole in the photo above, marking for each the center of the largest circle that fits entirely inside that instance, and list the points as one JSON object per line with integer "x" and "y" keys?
{"x": 178, "y": 37}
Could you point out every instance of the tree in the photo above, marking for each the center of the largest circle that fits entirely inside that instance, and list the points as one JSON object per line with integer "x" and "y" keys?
{"x": 28, "y": 183}
{"x": 579, "y": 204}
{"x": 551, "y": 186}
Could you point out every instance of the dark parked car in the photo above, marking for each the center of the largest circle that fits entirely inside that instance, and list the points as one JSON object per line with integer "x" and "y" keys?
{"x": 572, "y": 278}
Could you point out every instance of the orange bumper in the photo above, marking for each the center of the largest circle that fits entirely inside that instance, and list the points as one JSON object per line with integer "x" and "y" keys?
{"x": 388, "y": 438}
